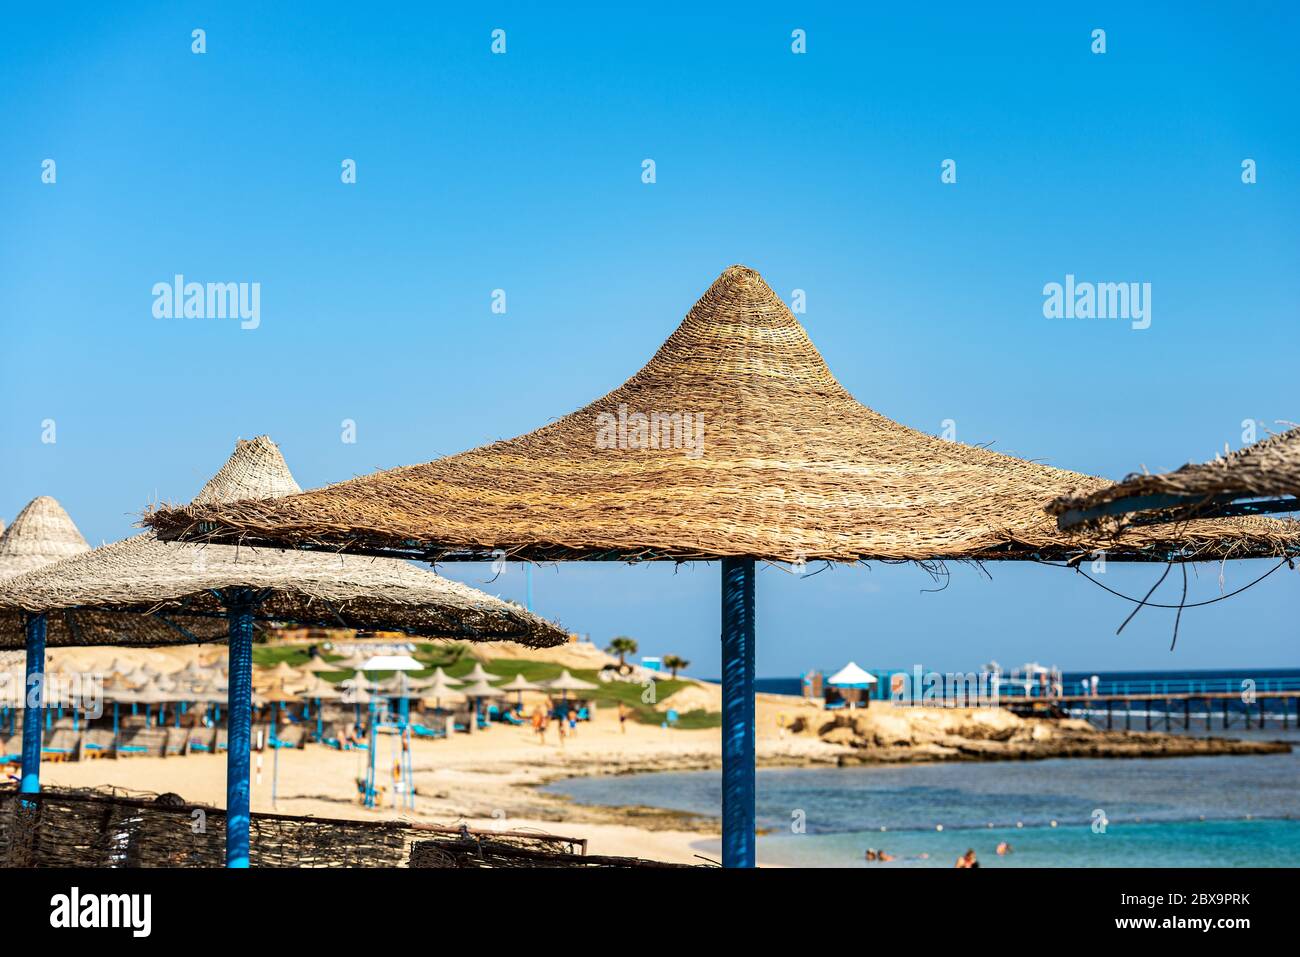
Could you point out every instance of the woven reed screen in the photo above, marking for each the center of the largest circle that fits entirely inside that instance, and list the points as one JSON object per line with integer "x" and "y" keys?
{"x": 59, "y": 828}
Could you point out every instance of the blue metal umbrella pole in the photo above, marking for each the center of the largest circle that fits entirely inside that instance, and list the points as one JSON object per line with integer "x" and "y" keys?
{"x": 738, "y": 824}
{"x": 370, "y": 757}
{"x": 33, "y": 704}
{"x": 239, "y": 710}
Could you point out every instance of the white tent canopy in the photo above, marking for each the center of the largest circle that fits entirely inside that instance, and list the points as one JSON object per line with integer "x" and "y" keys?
{"x": 850, "y": 675}
{"x": 391, "y": 663}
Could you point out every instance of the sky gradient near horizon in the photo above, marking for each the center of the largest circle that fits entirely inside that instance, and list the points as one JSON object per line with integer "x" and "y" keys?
{"x": 523, "y": 172}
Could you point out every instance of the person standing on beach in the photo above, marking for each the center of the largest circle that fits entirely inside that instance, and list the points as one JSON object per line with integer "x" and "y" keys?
{"x": 622, "y": 718}
{"x": 539, "y": 724}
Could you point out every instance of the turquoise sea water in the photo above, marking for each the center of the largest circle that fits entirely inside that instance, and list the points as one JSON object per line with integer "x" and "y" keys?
{"x": 1171, "y": 812}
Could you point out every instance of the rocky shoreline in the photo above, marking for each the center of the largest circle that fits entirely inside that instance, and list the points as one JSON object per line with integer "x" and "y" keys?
{"x": 900, "y": 735}
{"x": 876, "y": 736}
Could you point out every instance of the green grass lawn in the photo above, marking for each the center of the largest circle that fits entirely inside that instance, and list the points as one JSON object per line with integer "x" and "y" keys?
{"x": 456, "y": 662}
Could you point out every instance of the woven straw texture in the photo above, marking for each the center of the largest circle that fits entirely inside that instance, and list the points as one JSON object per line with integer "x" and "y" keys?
{"x": 791, "y": 468}
{"x": 141, "y": 591}
{"x": 87, "y": 829}
{"x": 40, "y": 535}
{"x": 1269, "y": 468}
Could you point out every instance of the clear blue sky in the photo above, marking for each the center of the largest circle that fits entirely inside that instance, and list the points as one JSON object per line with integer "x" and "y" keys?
{"x": 523, "y": 172}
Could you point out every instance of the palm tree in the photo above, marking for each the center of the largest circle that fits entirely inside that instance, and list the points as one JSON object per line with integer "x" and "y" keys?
{"x": 674, "y": 664}
{"x": 622, "y": 646}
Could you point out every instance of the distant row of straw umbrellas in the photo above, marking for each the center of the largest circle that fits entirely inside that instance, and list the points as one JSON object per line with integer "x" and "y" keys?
{"x": 734, "y": 443}
{"x": 142, "y": 592}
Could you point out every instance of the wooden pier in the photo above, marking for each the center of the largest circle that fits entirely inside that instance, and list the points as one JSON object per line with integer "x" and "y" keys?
{"x": 1248, "y": 712}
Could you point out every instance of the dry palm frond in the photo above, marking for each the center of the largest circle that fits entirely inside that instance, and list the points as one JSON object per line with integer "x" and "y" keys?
{"x": 1268, "y": 469}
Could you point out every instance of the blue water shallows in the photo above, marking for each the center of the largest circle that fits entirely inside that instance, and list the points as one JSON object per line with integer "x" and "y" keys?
{"x": 1174, "y": 812}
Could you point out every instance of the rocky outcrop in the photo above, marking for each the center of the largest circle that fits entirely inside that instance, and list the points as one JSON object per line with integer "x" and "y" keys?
{"x": 885, "y": 734}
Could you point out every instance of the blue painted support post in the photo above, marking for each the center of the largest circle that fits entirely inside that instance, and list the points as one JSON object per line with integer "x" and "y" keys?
{"x": 320, "y": 722}
{"x": 370, "y": 758}
{"x": 239, "y": 708}
{"x": 33, "y": 705}
{"x": 275, "y": 759}
{"x": 116, "y": 725}
{"x": 738, "y": 821}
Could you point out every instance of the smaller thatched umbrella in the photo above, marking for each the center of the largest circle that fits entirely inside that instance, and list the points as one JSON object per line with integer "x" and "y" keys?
{"x": 41, "y": 535}
{"x": 150, "y": 694}
{"x": 448, "y": 680}
{"x": 281, "y": 672}
{"x": 477, "y": 692}
{"x": 441, "y": 688}
{"x": 400, "y": 664}
{"x": 519, "y": 684}
{"x": 277, "y": 698}
{"x": 352, "y": 662}
{"x": 119, "y": 667}
{"x": 319, "y": 665}
{"x": 318, "y": 689}
{"x": 566, "y": 683}
{"x": 143, "y": 591}
{"x": 478, "y": 674}
{"x": 1260, "y": 479}
{"x": 358, "y": 682}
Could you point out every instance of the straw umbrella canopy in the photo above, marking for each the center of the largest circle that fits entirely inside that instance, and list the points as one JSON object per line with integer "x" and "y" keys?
{"x": 566, "y": 682}
{"x": 352, "y": 662}
{"x": 734, "y": 442}
{"x": 788, "y": 467}
{"x": 358, "y": 681}
{"x": 355, "y": 695}
{"x": 478, "y": 674}
{"x": 280, "y": 695}
{"x": 480, "y": 689}
{"x": 280, "y": 672}
{"x": 319, "y": 665}
{"x": 119, "y": 667}
{"x": 477, "y": 691}
{"x": 442, "y": 688}
{"x": 436, "y": 699}
{"x": 40, "y": 535}
{"x": 320, "y": 690}
{"x": 519, "y": 684}
{"x": 146, "y": 592}
{"x": 1261, "y": 478}
{"x": 446, "y": 679}
{"x": 152, "y": 694}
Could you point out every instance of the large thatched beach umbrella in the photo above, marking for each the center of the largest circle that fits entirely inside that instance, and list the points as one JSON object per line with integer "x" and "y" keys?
{"x": 1259, "y": 479}
{"x": 733, "y": 442}
{"x": 145, "y": 592}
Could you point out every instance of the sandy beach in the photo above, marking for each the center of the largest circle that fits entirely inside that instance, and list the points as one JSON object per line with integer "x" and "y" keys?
{"x": 486, "y": 779}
